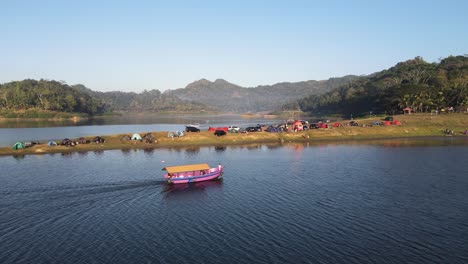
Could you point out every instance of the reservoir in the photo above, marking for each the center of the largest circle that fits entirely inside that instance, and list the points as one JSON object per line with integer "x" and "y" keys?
{"x": 294, "y": 203}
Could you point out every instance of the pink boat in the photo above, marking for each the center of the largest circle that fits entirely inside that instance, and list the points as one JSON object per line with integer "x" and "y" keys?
{"x": 192, "y": 173}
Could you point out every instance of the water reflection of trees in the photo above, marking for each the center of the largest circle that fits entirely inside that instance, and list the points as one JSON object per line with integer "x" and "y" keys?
{"x": 220, "y": 148}
{"x": 18, "y": 157}
{"x": 192, "y": 151}
{"x": 148, "y": 151}
{"x": 67, "y": 154}
{"x": 82, "y": 153}
{"x": 126, "y": 152}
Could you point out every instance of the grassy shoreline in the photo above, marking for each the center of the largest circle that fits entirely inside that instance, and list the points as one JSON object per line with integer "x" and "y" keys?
{"x": 413, "y": 126}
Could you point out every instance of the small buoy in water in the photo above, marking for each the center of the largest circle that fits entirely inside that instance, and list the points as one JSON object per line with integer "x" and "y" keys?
{"x": 162, "y": 160}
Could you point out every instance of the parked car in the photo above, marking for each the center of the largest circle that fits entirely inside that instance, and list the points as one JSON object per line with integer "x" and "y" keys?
{"x": 233, "y": 128}
{"x": 314, "y": 126}
{"x": 253, "y": 129}
{"x": 219, "y": 133}
{"x": 388, "y": 118}
{"x": 191, "y": 129}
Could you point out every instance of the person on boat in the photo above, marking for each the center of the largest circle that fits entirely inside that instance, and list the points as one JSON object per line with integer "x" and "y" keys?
{"x": 219, "y": 166}
{"x": 202, "y": 172}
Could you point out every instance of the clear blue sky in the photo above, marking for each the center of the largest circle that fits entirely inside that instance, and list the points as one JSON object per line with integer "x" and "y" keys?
{"x": 137, "y": 45}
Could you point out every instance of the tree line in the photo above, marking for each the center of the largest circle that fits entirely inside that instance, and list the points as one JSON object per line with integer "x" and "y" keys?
{"x": 60, "y": 97}
{"x": 46, "y": 95}
{"x": 417, "y": 84}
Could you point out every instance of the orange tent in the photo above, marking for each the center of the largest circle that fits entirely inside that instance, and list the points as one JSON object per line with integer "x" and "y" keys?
{"x": 407, "y": 110}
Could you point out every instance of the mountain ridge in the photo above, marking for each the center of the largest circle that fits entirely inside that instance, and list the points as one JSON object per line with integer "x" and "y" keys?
{"x": 229, "y": 97}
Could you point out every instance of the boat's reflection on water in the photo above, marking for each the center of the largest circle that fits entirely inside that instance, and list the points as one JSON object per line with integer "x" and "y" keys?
{"x": 191, "y": 190}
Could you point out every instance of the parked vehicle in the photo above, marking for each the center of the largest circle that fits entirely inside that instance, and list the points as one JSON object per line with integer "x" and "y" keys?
{"x": 314, "y": 126}
{"x": 233, "y": 128}
{"x": 191, "y": 129}
{"x": 219, "y": 133}
{"x": 253, "y": 129}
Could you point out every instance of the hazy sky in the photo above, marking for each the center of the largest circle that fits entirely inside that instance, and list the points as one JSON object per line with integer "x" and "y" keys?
{"x": 137, "y": 45}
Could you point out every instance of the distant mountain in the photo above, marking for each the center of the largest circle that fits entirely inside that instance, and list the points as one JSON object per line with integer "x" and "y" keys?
{"x": 228, "y": 97}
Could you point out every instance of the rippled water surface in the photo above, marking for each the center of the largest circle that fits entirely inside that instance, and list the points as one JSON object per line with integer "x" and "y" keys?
{"x": 288, "y": 204}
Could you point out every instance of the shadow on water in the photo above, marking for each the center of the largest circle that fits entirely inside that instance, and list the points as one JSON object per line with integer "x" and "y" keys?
{"x": 220, "y": 148}
{"x": 18, "y": 157}
{"x": 191, "y": 190}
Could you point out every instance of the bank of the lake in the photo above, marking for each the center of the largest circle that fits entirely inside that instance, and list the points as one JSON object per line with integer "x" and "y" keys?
{"x": 411, "y": 126}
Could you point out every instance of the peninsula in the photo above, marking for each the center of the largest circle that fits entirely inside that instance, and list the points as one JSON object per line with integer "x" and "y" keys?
{"x": 415, "y": 125}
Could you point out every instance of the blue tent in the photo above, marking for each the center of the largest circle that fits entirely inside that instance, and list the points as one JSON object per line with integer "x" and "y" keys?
{"x": 52, "y": 143}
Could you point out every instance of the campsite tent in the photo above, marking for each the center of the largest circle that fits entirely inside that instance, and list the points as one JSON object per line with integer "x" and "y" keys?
{"x": 298, "y": 125}
{"x": 175, "y": 134}
{"x": 273, "y": 129}
{"x": 83, "y": 140}
{"x": 136, "y": 137}
{"x": 225, "y": 129}
{"x": 52, "y": 143}
{"x": 18, "y": 145}
{"x": 407, "y": 110}
{"x": 98, "y": 139}
{"x": 387, "y": 123}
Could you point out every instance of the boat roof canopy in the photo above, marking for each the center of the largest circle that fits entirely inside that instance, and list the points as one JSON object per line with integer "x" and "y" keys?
{"x": 184, "y": 168}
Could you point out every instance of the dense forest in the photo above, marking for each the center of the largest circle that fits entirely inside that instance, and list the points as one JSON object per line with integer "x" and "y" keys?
{"x": 417, "y": 84}
{"x": 146, "y": 101}
{"x": 47, "y": 95}
{"x": 60, "y": 97}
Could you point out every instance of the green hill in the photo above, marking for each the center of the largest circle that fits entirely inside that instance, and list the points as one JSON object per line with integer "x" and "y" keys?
{"x": 46, "y": 95}
{"x": 414, "y": 83}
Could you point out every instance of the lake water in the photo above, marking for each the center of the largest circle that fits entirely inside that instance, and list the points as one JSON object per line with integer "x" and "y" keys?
{"x": 344, "y": 203}
{"x": 14, "y": 130}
